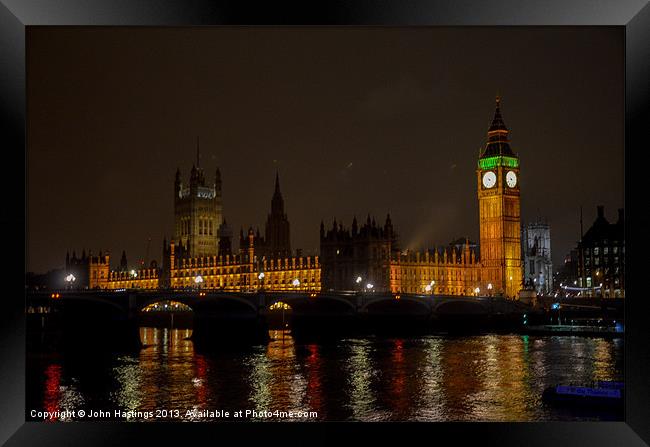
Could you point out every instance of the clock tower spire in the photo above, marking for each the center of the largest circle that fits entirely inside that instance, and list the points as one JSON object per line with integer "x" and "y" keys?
{"x": 499, "y": 210}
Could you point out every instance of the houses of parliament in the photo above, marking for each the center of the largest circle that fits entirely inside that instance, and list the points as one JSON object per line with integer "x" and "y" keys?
{"x": 365, "y": 256}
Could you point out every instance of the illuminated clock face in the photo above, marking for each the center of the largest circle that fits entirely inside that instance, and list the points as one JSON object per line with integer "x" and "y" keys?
{"x": 511, "y": 179}
{"x": 489, "y": 179}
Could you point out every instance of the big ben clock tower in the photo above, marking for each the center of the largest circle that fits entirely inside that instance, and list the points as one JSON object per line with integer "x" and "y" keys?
{"x": 499, "y": 211}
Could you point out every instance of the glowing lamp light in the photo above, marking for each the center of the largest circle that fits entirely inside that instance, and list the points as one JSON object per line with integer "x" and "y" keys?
{"x": 198, "y": 279}
{"x": 261, "y": 275}
{"x": 427, "y": 288}
{"x": 134, "y": 273}
{"x": 295, "y": 282}
{"x": 369, "y": 286}
{"x": 359, "y": 279}
{"x": 489, "y": 286}
{"x": 477, "y": 290}
{"x": 70, "y": 278}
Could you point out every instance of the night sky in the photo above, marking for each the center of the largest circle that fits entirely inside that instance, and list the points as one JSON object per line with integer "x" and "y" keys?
{"x": 357, "y": 121}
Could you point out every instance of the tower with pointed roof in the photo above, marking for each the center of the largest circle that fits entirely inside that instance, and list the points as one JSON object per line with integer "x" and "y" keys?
{"x": 198, "y": 212}
{"x": 277, "y": 235}
{"x": 499, "y": 210}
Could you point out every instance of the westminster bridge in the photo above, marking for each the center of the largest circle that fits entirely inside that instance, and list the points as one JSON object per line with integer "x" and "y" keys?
{"x": 231, "y": 317}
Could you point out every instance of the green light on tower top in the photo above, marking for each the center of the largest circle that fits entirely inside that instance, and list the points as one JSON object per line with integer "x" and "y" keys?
{"x": 498, "y": 160}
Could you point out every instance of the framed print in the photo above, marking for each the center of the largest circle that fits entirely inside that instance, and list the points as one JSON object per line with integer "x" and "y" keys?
{"x": 353, "y": 219}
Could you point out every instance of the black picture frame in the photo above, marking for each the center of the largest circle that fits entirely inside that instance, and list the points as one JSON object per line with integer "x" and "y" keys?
{"x": 633, "y": 15}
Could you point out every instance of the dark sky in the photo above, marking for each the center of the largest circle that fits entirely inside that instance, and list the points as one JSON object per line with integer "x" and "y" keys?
{"x": 357, "y": 121}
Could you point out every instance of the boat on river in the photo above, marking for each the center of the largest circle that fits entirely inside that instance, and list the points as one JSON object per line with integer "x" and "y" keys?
{"x": 602, "y": 394}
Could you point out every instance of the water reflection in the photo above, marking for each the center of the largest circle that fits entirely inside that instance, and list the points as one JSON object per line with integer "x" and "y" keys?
{"x": 432, "y": 378}
{"x": 275, "y": 380}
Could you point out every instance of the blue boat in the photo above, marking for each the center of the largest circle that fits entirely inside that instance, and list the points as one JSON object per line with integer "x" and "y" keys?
{"x": 604, "y": 394}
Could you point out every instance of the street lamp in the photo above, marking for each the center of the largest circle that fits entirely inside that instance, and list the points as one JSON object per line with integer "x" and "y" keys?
{"x": 70, "y": 279}
{"x": 295, "y": 282}
{"x": 369, "y": 287}
{"x": 134, "y": 274}
{"x": 198, "y": 280}
{"x": 359, "y": 286}
{"x": 477, "y": 291}
{"x": 427, "y": 288}
{"x": 261, "y": 278}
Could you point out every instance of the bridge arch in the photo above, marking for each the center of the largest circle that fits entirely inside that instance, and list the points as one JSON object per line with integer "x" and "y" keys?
{"x": 170, "y": 305}
{"x": 198, "y": 303}
{"x": 315, "y": 303}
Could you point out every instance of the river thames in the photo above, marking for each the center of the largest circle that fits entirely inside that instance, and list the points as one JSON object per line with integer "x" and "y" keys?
{"x": 424, "y": 378}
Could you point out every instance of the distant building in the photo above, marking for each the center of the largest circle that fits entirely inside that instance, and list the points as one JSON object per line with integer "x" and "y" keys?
{"x": 78, "y": 267}
{"x": 538, "y": 267}
{"x": 449, "y": 270}
{"x": 601, "y": 257}
{"x": 359, "y": 252}
{"x": 567, "y": 274}
{"x": 88, "y": 271}
{"x": 93, "y": 272}
{"x": 364, "y": 257}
